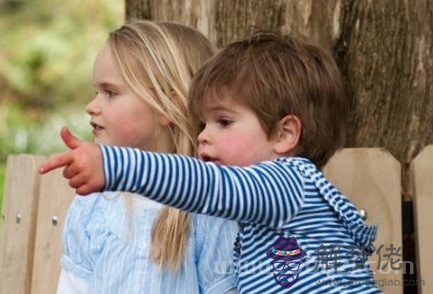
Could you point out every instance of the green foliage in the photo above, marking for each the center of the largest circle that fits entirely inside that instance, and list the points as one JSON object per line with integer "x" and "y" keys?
{"x": 25, "y": 135}
{"x": 46, "y": 65}
{"x": 48, "y": 61}
{"x": 47, "y": 49}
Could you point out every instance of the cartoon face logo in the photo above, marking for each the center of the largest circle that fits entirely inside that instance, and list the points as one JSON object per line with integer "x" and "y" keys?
{"x": 282, "y": 275}
{"x": 287, "y": 261}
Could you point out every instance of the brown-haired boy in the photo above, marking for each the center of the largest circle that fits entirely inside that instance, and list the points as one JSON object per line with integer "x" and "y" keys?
{"x": 272, "y": 110}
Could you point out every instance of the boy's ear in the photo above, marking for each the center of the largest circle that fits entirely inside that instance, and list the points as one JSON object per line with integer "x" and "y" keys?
{"x": 289, "y": 132}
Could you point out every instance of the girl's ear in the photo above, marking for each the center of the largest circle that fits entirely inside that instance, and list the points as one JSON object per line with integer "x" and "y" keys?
{"x": 163, "y": 120}
{"x": 289, "y": 132}
{"x": 176, "y": 100}
{"x": 177, "y": 105}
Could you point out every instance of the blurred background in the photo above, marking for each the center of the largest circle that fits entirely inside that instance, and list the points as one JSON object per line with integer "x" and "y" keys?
{"x": 383, "y": 48}
{"x": 47, "y": 48}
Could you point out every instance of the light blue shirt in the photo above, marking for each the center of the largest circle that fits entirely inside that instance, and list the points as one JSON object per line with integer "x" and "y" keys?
{"x": 109, "y": 247}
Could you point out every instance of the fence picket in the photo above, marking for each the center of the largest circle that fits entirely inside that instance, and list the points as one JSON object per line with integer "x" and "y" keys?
{"x": 421, "y": 171}
{"x": 371, "y": 179}
{"x": 55, "y": 197}
{"x": 19, "y": 215}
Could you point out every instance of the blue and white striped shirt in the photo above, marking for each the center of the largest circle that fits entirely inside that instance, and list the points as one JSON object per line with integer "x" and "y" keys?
{"x": 107, "y": 245}
{"x": 288, "y": 197}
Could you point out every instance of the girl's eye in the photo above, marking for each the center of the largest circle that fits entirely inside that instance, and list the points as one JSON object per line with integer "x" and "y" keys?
{"x": 224, "y": 122}
{"x": 110, "y": 93}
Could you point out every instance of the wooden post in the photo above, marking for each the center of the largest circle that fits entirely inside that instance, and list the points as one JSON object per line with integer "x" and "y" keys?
{"x": 55, "y": 198}
{"x": 371, "y": 179}
{"x": 19, "y": 215}
{"x": 421, "y": 174}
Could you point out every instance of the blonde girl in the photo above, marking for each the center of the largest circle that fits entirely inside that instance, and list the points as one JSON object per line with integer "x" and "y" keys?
{"x": 121, "y": 243}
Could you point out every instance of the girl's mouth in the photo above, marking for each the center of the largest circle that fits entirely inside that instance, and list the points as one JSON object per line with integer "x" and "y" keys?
{"x": 96, "y": 128}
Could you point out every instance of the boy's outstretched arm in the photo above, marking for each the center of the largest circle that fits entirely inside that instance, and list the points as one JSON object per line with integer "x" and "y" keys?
{"x": 270, "y": 193}
{"x": 83, "y": 165}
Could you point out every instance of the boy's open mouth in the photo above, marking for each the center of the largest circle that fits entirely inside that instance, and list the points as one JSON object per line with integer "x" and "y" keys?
{"x": 207, "y": 158}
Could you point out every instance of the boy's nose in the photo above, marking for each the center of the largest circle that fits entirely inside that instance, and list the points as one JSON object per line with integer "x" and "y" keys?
{"x": 93, "y": 107}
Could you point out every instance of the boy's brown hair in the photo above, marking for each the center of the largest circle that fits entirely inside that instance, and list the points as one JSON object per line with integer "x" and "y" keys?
{"x": 276, "y": 76}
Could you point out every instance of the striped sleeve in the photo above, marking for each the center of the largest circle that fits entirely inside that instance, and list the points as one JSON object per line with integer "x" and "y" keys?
{"x": 269, "y": 193}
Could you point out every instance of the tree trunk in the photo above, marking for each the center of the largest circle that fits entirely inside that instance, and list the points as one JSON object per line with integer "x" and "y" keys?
{"x": 385, "y": 53}
{"x": 224, "y": 21}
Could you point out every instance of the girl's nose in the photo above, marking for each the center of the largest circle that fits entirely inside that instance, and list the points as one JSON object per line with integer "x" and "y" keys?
{"x": 203, "y": 137}
{"x": 93, "y": 108}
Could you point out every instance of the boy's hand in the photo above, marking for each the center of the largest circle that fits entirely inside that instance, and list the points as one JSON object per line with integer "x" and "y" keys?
{"x": 83, "y": 164}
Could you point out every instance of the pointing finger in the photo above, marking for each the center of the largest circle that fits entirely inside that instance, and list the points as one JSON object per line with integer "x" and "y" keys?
{"x": 56, "y": 162}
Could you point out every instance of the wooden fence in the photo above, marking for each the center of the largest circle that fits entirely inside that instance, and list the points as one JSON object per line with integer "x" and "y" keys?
{"x": 34, "y": 208}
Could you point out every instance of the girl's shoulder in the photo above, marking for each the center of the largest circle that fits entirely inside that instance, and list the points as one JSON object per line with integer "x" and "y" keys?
{"x": 94, "y": 205}
{"x": 84, "y": 234}
{"x": 88, "y": 214}
{"x": 117, "y": 213}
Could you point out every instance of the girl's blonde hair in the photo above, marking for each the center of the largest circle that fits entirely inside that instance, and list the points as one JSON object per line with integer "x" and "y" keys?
{"x": 157, "y": 60}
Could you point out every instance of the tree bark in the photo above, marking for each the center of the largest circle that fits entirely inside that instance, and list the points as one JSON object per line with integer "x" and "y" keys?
{"x": 385, "y": 53}
{"x": 384, "y": 49}
{"x": 224, "y": 21}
